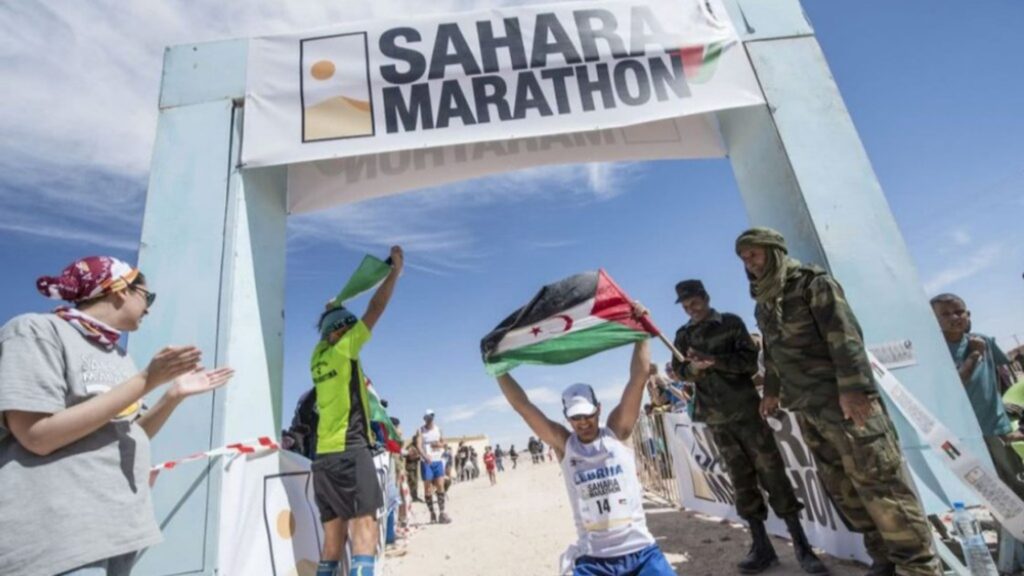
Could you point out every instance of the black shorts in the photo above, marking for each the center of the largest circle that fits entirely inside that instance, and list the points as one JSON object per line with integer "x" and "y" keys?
{"x": 346, "y": 485}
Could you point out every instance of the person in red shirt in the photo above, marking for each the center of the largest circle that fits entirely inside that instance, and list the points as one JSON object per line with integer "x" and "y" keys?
{"x": 489, "y": 464}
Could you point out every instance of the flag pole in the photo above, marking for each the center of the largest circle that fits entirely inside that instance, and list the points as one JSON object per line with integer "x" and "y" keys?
{"x": 675, "y": 352}
{"x": 648, "y": 325}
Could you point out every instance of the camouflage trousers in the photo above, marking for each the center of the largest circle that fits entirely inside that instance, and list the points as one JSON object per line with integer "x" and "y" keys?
{"x": 753, "y": 461}
{"x": 862, "y": 471}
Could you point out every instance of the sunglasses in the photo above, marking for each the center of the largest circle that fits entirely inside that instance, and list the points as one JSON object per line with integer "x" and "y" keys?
{"x": 150, "y": 296}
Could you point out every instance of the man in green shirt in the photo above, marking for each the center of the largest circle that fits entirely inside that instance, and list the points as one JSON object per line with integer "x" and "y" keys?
{"x": 344, "y": 476}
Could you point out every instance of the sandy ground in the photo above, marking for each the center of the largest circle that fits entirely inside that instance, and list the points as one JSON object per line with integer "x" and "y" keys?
{"x": 521, "y": 526}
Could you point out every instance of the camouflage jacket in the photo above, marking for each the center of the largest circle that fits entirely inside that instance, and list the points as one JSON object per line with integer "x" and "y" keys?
{"x": 817, "y": 351}
{"x": 724, "y": 392}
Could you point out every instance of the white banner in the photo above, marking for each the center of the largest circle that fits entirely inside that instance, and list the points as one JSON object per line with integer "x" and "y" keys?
{"x": 496, "y": 75}
{"x": 1000, "y": 499}
{"x": 705, "y": 487}
{"x": 316, "y": 185}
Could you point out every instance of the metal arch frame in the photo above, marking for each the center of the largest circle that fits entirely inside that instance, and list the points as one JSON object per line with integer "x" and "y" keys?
{"x": 799, "y": 164}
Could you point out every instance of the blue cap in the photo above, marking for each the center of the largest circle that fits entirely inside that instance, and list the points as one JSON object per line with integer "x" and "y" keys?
{"x": 336, "y": 319}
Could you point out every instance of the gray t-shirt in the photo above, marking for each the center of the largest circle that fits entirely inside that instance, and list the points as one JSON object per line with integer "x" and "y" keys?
{"x": 86, "y": 501}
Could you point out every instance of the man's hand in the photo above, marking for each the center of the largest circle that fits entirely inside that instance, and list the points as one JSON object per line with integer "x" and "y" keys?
{"x": 700, "y": 362}
{"x": 856, "y": 406}
{"x": 1015, "y": 436}
{"x": 769, "y": 406}
{"x": 976, "y": 344}
{"x": 638, "y": 310}
{"x": 397, "y": 259}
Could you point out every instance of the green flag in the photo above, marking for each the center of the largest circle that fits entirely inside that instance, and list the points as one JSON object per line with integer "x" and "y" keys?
{"x": 370, "y": 273}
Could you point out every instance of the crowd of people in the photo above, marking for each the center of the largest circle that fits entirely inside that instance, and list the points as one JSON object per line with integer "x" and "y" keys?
{"x": 71, "y": 400}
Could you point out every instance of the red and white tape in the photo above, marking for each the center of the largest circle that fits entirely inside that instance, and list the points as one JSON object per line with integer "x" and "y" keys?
{"x": 249, "y": 447}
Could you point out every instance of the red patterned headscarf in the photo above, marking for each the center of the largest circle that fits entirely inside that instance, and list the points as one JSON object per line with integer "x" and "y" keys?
{"x": 87, "y": 279}
{"x": 84, "y": 280}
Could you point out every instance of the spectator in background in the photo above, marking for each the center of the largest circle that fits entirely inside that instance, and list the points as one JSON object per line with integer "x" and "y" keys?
{"x": 679, "y": 393}
{"x": 300, "y": 437}
{"x": 656, "y": 389}
{"x": 74, "y": 439}
{"x": 978, "y": 359}
{"x": 499, "y": 457}
{"x": 412, "y": 467}
{"x": 489, "y": 464}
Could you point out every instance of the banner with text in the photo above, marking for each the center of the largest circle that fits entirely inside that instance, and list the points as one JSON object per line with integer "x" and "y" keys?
{"x": 325, "y": 183}
{"x": 496, "y": 75}
{"x": 704, "y": 485}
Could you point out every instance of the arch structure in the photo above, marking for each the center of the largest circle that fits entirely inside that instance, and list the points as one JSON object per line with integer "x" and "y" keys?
{"x": 795, "y": 153}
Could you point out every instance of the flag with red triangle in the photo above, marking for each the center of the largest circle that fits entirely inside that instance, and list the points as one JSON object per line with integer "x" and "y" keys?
{"x": 566, "y": 321}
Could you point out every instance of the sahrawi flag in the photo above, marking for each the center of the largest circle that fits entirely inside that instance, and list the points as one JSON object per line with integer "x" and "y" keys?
{"x": 566, "y": 321}
{"x": 370, "y": 273}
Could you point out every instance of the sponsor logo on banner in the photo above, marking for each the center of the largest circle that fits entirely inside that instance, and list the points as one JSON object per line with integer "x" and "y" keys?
{"x": 335, "y": 86}
{"x": 705, "y": 486}
{"x": 713, "y": 484}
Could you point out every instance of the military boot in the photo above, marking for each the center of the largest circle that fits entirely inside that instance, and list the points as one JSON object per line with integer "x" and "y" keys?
{"x": 881, "y": 568}
{"x": 761, "y": 555}
{"x": 805, "y": 555}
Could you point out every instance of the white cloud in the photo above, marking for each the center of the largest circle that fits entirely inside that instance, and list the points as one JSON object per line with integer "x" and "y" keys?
{"x": 82, "y": 83}
{"x": 962, "y": 269}
{"x": 961, "y": 237}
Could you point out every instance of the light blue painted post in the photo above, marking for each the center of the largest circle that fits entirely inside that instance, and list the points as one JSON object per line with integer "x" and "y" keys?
{"x": 802, "y": 169}
{"x": 213, "y": 246}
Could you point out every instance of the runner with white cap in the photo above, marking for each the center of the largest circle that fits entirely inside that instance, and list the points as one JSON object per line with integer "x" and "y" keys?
{"x": 600, "y": 474}
{"x": 431, "y": 448}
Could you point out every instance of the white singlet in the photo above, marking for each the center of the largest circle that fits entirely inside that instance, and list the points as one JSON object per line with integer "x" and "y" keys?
{"x": 432, "y": 443}
{"x": 606, "y": 497}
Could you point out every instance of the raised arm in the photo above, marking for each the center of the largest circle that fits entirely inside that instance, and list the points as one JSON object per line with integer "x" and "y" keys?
{"x": 624, "y": 416}
{"x": 382, "y": 296}
{"x": 549, "y": 431}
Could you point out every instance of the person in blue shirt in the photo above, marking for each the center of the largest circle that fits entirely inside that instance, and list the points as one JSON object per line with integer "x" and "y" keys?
{"x": 978, "y": 359}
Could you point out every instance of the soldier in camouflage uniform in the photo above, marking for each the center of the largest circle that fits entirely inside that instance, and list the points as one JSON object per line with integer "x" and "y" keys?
{"x": 721, "y": 359}
{"x": 814, "y": 356}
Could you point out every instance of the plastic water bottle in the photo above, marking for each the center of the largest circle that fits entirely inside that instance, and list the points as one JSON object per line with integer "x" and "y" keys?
{"x": 979, "y": 560}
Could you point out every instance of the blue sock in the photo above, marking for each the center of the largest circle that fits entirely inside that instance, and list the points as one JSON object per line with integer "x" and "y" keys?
{"x": 362, "y": 566}
{"x": 327, "y": 568}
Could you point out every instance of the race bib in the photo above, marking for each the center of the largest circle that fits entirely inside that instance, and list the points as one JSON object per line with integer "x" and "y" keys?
{"x": 604, "y": 500}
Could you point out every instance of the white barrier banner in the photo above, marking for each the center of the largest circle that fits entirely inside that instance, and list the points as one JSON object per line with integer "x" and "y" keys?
{"x": 269, "y": 522}
{"x": 1000, "y": 500}
{"x": 496, "y": 75}
{"x": 705, "y": 487}
{"x": 316, "y": 185}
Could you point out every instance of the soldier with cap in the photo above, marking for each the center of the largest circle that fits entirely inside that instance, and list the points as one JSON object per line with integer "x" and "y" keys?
{"x": 816, "y": 363}
{"x": 721, "y": 359}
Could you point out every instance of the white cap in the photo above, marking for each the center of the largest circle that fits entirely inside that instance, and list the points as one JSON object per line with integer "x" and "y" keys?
{"x": 429, "y": 413}
{"x": 579, "y": 400}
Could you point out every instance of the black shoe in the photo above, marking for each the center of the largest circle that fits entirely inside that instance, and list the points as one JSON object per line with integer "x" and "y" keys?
{"x": 762, "y": 554}
{"x": 805, "y": 555}
{"x": 881, "y": 568}
{"x": 444, "y": 519}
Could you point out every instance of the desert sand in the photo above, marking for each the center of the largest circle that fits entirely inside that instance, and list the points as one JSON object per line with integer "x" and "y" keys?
{"x": 521, "y": 526}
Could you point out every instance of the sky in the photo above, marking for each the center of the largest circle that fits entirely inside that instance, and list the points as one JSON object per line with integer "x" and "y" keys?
{"x": 933, "y": 86}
